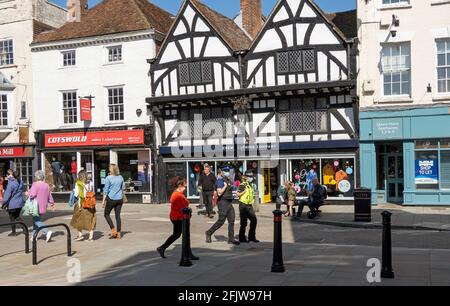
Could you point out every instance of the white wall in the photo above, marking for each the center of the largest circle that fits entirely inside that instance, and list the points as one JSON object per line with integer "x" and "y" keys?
{"x": 91, "y": 76}
{"x": 421, "y": 23}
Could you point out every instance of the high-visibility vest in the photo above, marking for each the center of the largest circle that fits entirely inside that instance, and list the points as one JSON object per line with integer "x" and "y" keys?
{"x": 248, "y": 197}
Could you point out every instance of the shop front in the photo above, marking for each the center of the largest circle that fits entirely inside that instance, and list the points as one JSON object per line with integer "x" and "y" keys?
{"x": 332, "y": 162}
{"x": 20, "y": 159}
{"x": 63, "y": 155}
{"x": 405, "y": 155}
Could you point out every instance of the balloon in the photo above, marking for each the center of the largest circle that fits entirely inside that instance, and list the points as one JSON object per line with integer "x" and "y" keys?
{"x": 336, "y": 163}
{"x": 297, "y": 177}
{"x": 349, "y": 171}
{"x": 297, "y": 189}
{"x": 197, "y": 168}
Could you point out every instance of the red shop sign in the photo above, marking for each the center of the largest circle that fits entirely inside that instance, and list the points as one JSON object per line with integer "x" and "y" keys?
{"x": 103, "y": 138}
{"x": 12, "y": 152}
{"x": 86, "y": 109}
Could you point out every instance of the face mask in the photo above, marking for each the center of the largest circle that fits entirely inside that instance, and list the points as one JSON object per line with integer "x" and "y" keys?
{"x": 250, "y": 180}
{"x": 226, "y": 174}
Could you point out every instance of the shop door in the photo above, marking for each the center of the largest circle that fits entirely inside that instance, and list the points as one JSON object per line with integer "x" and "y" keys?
{"x": 394, "y": 178}
{"x": 269, "y": 182}
{"x": 101, "y": 162}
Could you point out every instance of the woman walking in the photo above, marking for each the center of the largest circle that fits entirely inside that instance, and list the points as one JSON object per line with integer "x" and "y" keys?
{"x": 83, "y": 218}
{"x": 41, "y": 192}
{"x": 178, "y": 201}
{"x": 113, "y": 198}
{"x": 13, "y": 199}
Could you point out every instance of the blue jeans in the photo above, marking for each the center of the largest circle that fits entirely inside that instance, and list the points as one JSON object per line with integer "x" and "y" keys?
{"x": 38, "y": 223}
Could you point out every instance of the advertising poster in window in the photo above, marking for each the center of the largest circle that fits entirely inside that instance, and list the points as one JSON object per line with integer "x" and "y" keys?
{"x": 144, "y": 172}
{"x": 427, "y": 171}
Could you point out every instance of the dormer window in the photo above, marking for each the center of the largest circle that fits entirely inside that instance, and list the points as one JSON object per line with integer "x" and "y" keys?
{"x": 196, "y": 73}
{"x": 296, "y": 61}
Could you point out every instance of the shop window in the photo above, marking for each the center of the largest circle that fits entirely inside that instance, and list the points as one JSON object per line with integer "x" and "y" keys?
{"x": 303, "y": 172}
{"x": 427, "y": 170}
{"x": 61, "y": 171}
{"x": 135, "y": 170}
{"x": 338, "y": 175}
{"x": 3, "y": 110}
{"x": 445, "y": 170}
{"x": 381, "y": 173}
{"x": 194, "y": 171}
{"x": 115, "y": 104}
{"x": 426, "y": 144}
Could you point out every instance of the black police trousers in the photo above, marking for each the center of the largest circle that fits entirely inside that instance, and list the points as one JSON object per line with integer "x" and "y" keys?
{"x": 247, "y": 213}
{"x": 226, "y": 212}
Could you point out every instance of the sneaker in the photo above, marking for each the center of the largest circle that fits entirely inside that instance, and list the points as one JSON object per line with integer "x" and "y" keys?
{"x": 243, "y": 240}
{"x": 235, "y": 242}
{"x": 193, "y": 257}
{"x": 48, "y": 236}
{"x": 254, "y": 240}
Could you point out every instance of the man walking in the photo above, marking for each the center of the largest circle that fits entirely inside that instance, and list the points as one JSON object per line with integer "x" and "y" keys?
{"x": 207, "y": 182}
{"x": 246, "y": 194}
{"x": 226, "y": 209}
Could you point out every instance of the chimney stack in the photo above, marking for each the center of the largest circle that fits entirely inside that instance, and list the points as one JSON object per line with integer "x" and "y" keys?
{"x": 76, "y": 9}
{"x": 251, "y": 11}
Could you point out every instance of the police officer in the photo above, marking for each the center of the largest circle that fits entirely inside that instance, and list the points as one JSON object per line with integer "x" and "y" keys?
{"x": 246, "y": 194}
{"x": 226, "y": 209}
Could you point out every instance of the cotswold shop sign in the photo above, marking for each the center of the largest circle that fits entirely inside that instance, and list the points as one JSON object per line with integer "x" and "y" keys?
{"x": 103, "y": 138}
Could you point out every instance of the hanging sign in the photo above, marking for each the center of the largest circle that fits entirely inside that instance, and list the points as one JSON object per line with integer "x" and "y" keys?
{"x": 86, "y": 109}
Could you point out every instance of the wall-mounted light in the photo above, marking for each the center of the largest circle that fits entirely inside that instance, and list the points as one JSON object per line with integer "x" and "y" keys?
{"x": 393, "y": 33}
{"x": 139, "y": 112}
{"x": 429, "y": 88}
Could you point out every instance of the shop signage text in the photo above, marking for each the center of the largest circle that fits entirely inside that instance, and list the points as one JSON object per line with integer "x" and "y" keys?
{"x": 427, "y": 171}
{"x": 12, "y": 152}
{"x": 103, "y": 138}
{"x": 388, "y": 128}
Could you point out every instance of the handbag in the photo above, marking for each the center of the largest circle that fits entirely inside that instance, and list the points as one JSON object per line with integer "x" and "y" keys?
{"x": 30, "y": 208}
{"x": 89, "y": 201}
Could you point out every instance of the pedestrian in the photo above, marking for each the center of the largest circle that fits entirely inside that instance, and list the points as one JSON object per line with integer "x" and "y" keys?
{"x": 2, "y": 181}
{"x": 74, "y": 171}
{"x": 178, "y": 202}
{"x": 246, "y": 194}
{"x": 226, "y": 209}
{"x": 113, "y": 198}
{"x": 41, "y": 192}
{"x": 292, "y": 197}
{"x": 207, "y": 182}
{"x": 57, "y": 168}
{"x": 281, "y": 195}
{"x": 83, "y": 218}
{"x": 13, "y": 199}
{"x": 316, "y": 198}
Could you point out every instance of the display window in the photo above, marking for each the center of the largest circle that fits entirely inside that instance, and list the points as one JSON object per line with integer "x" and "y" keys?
{"x": 61, "y": 170}
{"x": 336, "y": 174}
{"x": 135, "y": 169}
{"x": 194, "y": 171}
{"x": 303, "y": 173}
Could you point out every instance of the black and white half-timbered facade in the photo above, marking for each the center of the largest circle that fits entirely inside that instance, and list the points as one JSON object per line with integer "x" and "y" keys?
{"x": 280, "y": 103}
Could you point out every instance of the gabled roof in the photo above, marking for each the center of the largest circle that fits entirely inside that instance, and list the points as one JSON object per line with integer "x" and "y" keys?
{"x": 346, "y": 22}
{"x": 230, "y": 32}
{"x": 110, "y": 17}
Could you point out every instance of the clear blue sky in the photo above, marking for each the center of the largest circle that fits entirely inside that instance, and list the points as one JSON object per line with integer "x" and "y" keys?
{"x": 231, "y": 7}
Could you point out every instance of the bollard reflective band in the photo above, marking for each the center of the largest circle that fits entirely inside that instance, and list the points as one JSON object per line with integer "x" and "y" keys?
{"x": 277, "y": 219}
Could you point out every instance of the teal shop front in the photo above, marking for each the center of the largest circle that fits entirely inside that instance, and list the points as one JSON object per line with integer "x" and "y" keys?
{"x": 405, "y": 155}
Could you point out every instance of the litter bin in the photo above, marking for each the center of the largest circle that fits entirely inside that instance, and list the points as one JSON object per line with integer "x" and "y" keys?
{"x": 363, "y": 205}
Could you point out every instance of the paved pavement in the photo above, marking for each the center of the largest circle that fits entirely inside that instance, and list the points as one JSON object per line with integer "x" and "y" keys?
{"x": 314, "y": 254}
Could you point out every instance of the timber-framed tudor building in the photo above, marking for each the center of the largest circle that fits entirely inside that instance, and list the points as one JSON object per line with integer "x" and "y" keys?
{"x": 286, "y": 82}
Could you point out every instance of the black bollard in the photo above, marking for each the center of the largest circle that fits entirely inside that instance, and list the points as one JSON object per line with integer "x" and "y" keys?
{"x": 386, "y": 270}
{"x": 277, "y": 265}
{"x": 186, "y": 245}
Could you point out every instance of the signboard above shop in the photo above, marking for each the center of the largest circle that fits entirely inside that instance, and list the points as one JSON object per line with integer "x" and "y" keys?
{"x": 391, "y": 128}
{"x": 94, "y": 139}
{"x": 15, "y": 152}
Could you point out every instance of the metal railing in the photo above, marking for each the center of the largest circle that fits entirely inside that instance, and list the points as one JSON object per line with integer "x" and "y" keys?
{"x": 36, "y": 233}
{"x": 25, "y": 231}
